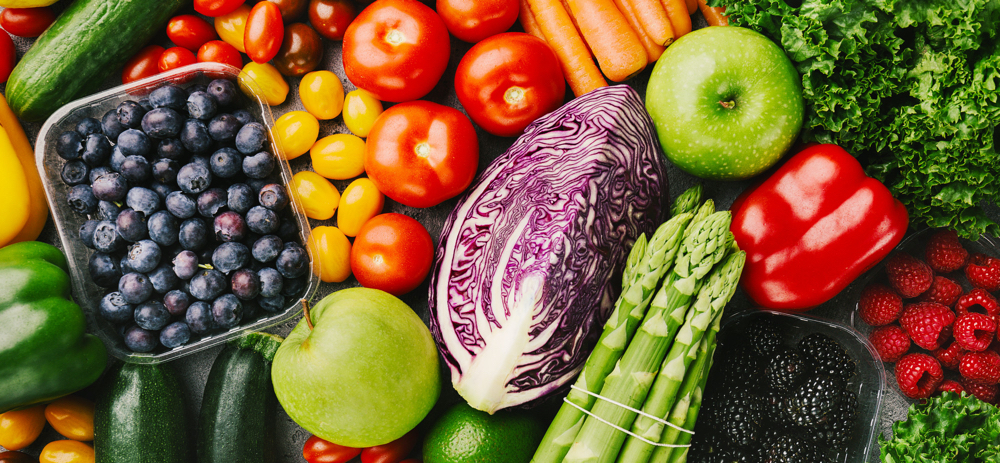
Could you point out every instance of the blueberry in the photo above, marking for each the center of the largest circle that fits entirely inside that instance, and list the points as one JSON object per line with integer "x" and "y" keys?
{"x": 270, "y": 282}
{"x": 273, "y": 197}
{"x": 211, "y": 201}
{"x": 185, "y": 264}
{"x": 165, "y": 170}
{"x": 104, "y": 270}
{"x": 75, "y": 172}
{"x": 294, "y": 287}
{"x": 170, "y": 148}
{"x": 241, "y": 197}
{"x": 201, "y": 105}
{"x": 224, "y": 91}
{"x": 96, "y": 149}
{"x": 199, "y": 317}
{"x": 273, "y": 303}
{"x": 106, "y": 237}
{"x": 97, "y": 172}
{"x": 70, "y": 145}
{"x": 87, "y": 233}
{"x": 262, "y": 220}
{"x": 194, "y": 136}
{"x": 227, "y": 311}
{"x": 111, "y": 126}
{"x": 136, "y": 169}
{"x": 144, "y": 256}
{"x": 201, "y": 160}
{"x": 162, "y": 190}
{"x": 181, "y": 205}
{"x": 87, "y": 126}
{"x": 168, "y": 96}
{"x": 251, "y": 138}
{"x": 130, "y": 113}
{"x": 259, "y": 165}
{"x": 293, "y": 261}
{"x": 175, "y": 334}
{"x": 143, "y": 200}
{"x": 250, "y": 309}
{"x": 131, "y": 226}
{"x": 135, "y": 287}
{"x": 163, "y": 228}
{"x": 151, "y": 315}
{"x": 267, "y": 248}
{"x": 207, "y": 284}
{"x": 194, "y": 178}
{"x": 146, "y": 104}
{"x": 223, "y": 128}
{"x": 226, "y": 162}
{"x": 289, "y": 230}
{"x": 134, "y": 142}
{"x": 245, "y": 284}
{"x": 117, "y": 159}
{"x": 196, "y": 88}
{"x": 163, "y": 278}
{"x": 140, "y": 340}
{"x": 110, "y": 187}
{"x": 81, "y": 199}
{"x": 177, "y": 302}
{"x": 243, "y": 116}
{"x": 124, "y": 265}
{"x": 193, "y": 234}
{"x": 230, "y": 256}
{"x": 114, "y": 308}
{"x": 107, "y": 210}
{"x": 162, "y": 123}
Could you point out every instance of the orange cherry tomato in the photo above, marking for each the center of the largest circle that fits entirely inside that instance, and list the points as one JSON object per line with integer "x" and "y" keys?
{"x": 27, "y": 22}
{"x": 392, "y": 252}
{"x": 144, "y": 64}
{"x": 190, "y": 31}
{"x": 331, "y": 17}
{"x": 393, "y": 452}
{"x": 475, "y": 20}
{"x": 175, "y": 57}
{"x": 264, "y": 32}
{"x": 213, "y": 8}
{"x": 317, "y": 450}
{"x": 217, "y": 51}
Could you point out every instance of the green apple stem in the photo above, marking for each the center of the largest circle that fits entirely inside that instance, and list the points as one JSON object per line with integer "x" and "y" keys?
{"x": 305, "y": 314}
{"x": 728, "y": 104}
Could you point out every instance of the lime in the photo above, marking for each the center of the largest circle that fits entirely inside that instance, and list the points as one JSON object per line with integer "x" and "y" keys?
{"x": 466, "y": 435}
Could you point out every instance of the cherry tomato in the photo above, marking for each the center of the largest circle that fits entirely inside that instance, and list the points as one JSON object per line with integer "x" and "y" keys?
{"x": 72, "y": 416}
{"x": 360, "y": 202}
{"x": 331, "y": 17}
{"x": 396, "y": 49}
{"x": 294, "y": 133}
{"x": 393, "y": 452}
{"x": 217, "y": 51}
{"x": 20, "y": 428}
{"x": 265, "y": 81}
{"x": 175, "y": 57}
{"x": 264, "y": 31}
{"x": 392, "y": 252}
{"x": 301, "y": 51}
{"x": 232, "y": 26}
{"x": 27, "y": 22}
{"x": 8, "y": 56}
{"x": 340, "y": 156}
{"x": 317, "y": 450}
{"x": 475, "y": 20}
{"x": 318, "y": 197}
{"x": 421, "y": 153}
{"x": 190, "y": 31}
{"x": 215, "y": 8}
{"x": 507, "y": 81}
{"x": 361, "y": 110}
{"x": 333, "y": 253}
{"x": 144, "y": 64}
{"x": 66, "y": 451}
{"x": 16, "y": 457}
{"x": 291, "y": 9}
{"x": 322, "y": 94}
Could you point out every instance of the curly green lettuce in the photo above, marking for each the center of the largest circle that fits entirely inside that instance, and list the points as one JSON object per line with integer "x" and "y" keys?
{"x": 947, "y": 428}
{"x": 911, "y": 87}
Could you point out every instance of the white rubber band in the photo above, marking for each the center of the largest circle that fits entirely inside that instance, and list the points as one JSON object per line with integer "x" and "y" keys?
{"x": 626, "y": 431}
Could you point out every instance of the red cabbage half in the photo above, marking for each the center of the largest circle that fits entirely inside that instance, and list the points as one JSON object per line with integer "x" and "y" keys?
{"x": 528, "y": 264}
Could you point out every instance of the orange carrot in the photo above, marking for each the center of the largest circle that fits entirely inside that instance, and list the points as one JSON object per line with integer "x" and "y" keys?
{"x": 716, "y": 16}
{"x": 615, "y": 45}
{"x": 577, "y": 64}
{"x": 528, "y": 21}
{"x": 692, "y": 6}
{"x": 677, "y": 11}
{"x": 653, "y": 49}
{"x": 652, "y": 19}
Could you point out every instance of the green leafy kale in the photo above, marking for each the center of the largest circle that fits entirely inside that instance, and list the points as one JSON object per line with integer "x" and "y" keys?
{"x": 911, "y": 87}
{"x": 948, "y": 428}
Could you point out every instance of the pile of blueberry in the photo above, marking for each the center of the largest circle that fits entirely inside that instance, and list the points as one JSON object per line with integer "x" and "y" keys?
{"x": 191, "y": 227}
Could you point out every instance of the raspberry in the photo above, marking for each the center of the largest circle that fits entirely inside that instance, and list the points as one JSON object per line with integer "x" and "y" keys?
{"x": 979, "y": 301}
{"x": 943, "y": 291}
{"x": 974, "y": 331}
{"x": 891, "y": 342}
{"x": 879, "y": 305}
{"x": 927, "y": 323}
{"x": 918, "y": 375}
{"x": 950, "y": 356}
{"x": 950, "y": 386}
{"x": 984, "y": 272}
{"x": 908, "y": 275}
{"x": 944, "y": 253}
{"x": 980, "y": 367}
{"x": 985, "y": 392}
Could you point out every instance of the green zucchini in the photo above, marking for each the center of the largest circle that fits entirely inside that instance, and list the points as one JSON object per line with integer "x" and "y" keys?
{"x": 238, "y": 410}
{"x": 139, "y": 416}
{"x": 86, "y": 43}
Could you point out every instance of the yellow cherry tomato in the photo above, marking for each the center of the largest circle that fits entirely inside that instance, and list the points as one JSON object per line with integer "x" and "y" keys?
{"x": 230, "y": 27}
{"x": 332, "y": 250}
{"x": 322, "y": 94}
{"x": 316, "y": 194}
{"x": 340, "y": 156}
{"x": 19, "y": 428}
{"x": 361, "y": 108}
{"x": 264, "y": 80}
{"x": 360, "y": 202}
{"x": 73, "y": 417}
{"x": 66, "y": 451}
{"x": 295, "y": 132}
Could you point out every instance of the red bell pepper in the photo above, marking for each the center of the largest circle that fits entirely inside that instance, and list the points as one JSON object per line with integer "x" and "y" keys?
{"x": 813, "y": 227}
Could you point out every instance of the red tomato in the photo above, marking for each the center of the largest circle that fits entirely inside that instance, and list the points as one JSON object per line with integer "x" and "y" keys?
{"x": 8, "y": 56}
{"x": 421, "y": 153}
{"x": 264, "y": 31}
{"x": 396, "y": 49}
{"x": 175, "y": 57}
{"x": 218, "y": 51}
{"x": 474, "y": 20}
{"x": 190, "y": 31}
{"x": 144, "y": 64}
{"x": 507, "y": 81}
{"x": 213, "y": 8}
{"x": 317, "y": 450}
{"x": 392, "y": 252}
{"x": 27, "y": 22}
{"x": 394, "y": 451}
{"x": 331, "y": 17}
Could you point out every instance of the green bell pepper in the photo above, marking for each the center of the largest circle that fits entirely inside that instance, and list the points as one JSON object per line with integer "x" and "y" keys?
{"x": 44, "y": 352}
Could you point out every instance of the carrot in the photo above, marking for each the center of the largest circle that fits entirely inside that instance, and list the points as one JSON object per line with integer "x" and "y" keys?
{"x": 716, "y": 16}
{"x": 528, "y": 21}
{"x": 615, "y": 45}
{"x": 677, "y": 11}
{"x": 653, "y": 49}
{"x": 651, "y": 18}
{"x": 577, "y": 64}
{"x": 692, "y": 6}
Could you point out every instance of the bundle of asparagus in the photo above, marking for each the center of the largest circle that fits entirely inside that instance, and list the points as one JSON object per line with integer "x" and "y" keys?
{"x": 656, "y": 349}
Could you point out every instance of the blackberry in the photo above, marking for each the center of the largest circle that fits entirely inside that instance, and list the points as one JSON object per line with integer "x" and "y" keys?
{"x": 814, "y": 402}
{"x": 786, "y": 369}
{"x": 765, "y": 336}
{"x": 744, "y": 367}
{"x": 774, "y": 416}
{"x": 787, "y": 449}
{"x": 828, "y": 356}
{"x": 740, "y": 417}
{"x": 837, "y": 431}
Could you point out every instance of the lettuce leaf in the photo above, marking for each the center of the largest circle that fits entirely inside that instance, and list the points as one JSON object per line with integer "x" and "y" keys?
{"x": 948, "y": 428}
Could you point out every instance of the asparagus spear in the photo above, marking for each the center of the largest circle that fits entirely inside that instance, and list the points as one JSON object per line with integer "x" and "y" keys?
{"x": 629, "y": 310}
{"x": 688, "y": 201}
{"x": 706, "y": 209}
{"x": 635, "y": 256}
{"x": 630, "y": 381}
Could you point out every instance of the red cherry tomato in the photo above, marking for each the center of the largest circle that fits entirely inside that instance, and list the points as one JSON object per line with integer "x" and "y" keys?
{"x": 474, "y": 20}
{"x": 27, "y": 22}
{"x": 264, "y": 31}
{"x": 317, "y": 450}
{"x": 190, "y": 31}
{"x": 507, "y": 81}
{"x": 175, "y": 57}
{"x": 393, "y": 452}
{"x": 213, "y": 8}
{"x": 144, "y": 64}
{"x": 331, "y": 17}
{"x": 301, "y": 51}
{"x": 16, "y": 457}
{"x": 396, "y": 49}
{"x": 8, "y": 56}
{"x": 392, "y": 252}
{"x": 291, "y": 9}
{"x": 421, "y": 153}
{"x": 218, "y": 51}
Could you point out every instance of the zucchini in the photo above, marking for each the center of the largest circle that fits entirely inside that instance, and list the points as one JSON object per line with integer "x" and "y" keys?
{"x": 86, "y": 43}
{"x": 238, "y": 410}
{"x": 139, "y": 416}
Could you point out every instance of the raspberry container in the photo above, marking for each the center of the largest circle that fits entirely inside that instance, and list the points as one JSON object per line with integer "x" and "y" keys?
{"x": 85, "y": 292}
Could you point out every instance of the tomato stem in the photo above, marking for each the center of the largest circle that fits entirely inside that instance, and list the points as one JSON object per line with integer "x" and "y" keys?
{"x": 394, "y": 37}
{"x": 422, "y": 149}
{"x": 514, "y": 95}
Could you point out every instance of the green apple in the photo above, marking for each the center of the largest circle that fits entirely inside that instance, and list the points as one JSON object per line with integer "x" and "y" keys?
{"x": 365, "y": 374}
{"x": 726, "y": 102}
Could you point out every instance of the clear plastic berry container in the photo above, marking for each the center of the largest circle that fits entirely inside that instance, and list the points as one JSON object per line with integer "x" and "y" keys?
{"x": 85, "y": 292}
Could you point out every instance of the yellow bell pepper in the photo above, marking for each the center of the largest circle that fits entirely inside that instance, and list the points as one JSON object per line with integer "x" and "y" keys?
{"x": 73, "y": 417}
{"x": 66, "y": 451}
{"x": 20, "y": 428}
{"x": 38, "y": 208}
{"x": 13, "y": 190}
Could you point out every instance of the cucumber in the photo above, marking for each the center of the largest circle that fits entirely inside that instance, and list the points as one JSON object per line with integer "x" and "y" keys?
{"x": 139, "y": 416}
{"x": 86, "y": 43}
{"x": 238, "y": 410}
